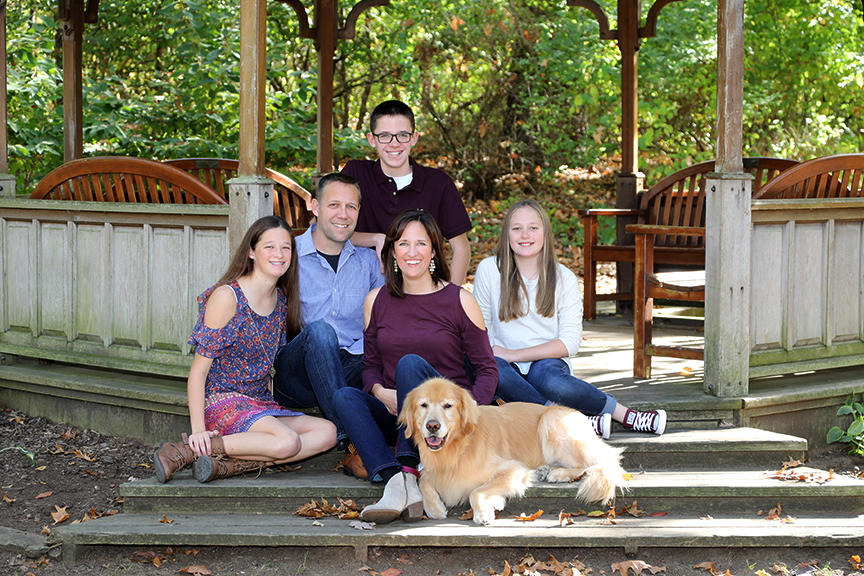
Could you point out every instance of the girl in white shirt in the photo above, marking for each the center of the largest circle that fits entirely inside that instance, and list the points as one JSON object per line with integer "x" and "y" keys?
{"x": 532, "y": 307}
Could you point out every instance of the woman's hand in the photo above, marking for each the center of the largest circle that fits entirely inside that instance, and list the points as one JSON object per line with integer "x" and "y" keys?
{"x": 387, "y": 396}
{"x": 200, "y": 442}
{"x": 503, "y": 353}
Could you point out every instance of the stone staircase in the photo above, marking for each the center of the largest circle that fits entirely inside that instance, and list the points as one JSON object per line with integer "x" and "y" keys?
{"x": 697, "y": 488}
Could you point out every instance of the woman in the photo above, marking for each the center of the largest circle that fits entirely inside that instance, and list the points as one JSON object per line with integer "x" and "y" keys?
{"x": 418, "y": 326}
{"x": 242, "y": 321}
{"x": 533, "y": 309}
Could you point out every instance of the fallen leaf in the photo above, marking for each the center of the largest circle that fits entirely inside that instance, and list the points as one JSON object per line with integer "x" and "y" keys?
{"x": 404, "y": 559}
{"x": 686, "y": 371}
{"x": 624, "y": 567}
{"x": 531, "y": 518}
{"x": 362, "y": 525}
{"x": 708, "y": 567}
{"x": 196, "y": 570}
{"x": 165, "y": 520}
{"x": 658, "y": 514}
{"x": 391, "y": 572}
{"x": 596, "y": 514}
{"x": 633, "y": 510}
{"x": 46, "y": 530}
{"x": 7, "y": 499}
{"x": 43, "y": 495}
{"x": 706, "y": 517}
{"x": 69, "y": 435}
{"x": 506, "y": 572}
{"x": 41, "y": 468}
{"x": 58, "y": 449}
{"x": 564, "y": 519}
{"x": 467, "y": 515}
{"x": 627, "y": 476}
{"x": 16, "y": 419}
{"x": 317, "y": 523}
{"x": 856, "y": 563}
{"x": 60, "y": 514}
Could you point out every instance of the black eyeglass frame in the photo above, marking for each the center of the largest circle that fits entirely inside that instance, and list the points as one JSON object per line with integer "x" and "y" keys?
{"x": 386, "y": 137}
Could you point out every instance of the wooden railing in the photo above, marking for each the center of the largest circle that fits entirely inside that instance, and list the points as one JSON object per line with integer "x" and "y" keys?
{"x": 807, "y": 285}
{"x": 106, "y": 284}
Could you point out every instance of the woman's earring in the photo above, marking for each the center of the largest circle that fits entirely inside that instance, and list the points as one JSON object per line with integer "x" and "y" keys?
{"x": 395, "y": 266}
{"x": 432, "y": 266}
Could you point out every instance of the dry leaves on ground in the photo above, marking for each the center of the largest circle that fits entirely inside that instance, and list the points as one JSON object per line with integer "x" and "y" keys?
{"x": 637, "y": 566}
{"x": 346, "y": 510}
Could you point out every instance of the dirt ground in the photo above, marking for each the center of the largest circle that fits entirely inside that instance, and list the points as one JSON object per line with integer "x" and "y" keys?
{"x": 78, "y": 472}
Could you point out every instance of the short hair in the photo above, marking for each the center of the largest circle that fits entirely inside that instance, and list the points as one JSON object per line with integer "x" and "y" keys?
{"x": 390, "y": 108}
{"x": 393, "y": 279}
{"x": 332, "y": 177}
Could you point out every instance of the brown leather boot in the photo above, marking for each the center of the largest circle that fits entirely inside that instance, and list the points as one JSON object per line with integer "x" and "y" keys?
{"x": 209, "y": 468}
{"x": 169, "y": 458}
{"x": 352, "y": 465}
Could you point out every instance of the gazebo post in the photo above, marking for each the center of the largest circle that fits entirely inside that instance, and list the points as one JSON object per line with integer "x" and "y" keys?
{"x": 7, "y": 180}
{"x": 727, "y": 234}
{"x": 325, "y": 42}
{"x": 251, "y": 193}
{"x": 629, "y": 181}
{"x": 72, "y": 30}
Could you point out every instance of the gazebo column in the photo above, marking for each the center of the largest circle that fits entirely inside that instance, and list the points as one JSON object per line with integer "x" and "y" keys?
{"x": 325, "y": 41}
{"x": 727, "y": 234}
{"x": 629, "y": 181}
{"x": 72, "y": 30}
{"x": 251, "y": 193}
{"x": 7, "y": 180}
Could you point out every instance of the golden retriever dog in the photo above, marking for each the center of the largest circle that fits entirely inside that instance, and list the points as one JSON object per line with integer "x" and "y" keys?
{"x": 487, "y": 454}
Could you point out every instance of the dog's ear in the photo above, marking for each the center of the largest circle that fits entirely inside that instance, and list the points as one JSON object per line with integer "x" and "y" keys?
{"x": 470, "y": 412}
{"x": 406, "y": 415}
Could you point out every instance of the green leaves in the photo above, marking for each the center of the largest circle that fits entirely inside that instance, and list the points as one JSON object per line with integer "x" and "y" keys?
{"x": 854, "y": 434}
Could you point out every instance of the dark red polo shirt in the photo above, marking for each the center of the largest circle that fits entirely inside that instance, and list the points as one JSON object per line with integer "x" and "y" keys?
{"x": 431, "y": 190}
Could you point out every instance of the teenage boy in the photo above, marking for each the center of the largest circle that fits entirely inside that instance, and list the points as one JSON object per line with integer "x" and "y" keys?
{"x": 335, "y": 277}
{"x": 395, "y": 183}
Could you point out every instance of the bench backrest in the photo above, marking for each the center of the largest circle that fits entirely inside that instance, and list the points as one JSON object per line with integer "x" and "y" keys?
{"x": 290, "y": 200}
{"x": 839, "y": 176}
{"x": 123, "y": 179}
{"x": 679, "y": 199}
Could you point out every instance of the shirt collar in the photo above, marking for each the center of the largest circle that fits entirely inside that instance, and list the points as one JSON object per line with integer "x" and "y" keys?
{"x": 416, "y": 169}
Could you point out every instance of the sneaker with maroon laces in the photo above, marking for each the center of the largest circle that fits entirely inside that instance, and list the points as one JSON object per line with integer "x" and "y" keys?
{"x": 651, "y": 421}
{"x": 602, "y": 424}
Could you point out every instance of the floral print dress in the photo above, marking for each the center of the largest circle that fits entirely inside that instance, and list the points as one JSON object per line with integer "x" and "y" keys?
{"x": 237, "y": 392}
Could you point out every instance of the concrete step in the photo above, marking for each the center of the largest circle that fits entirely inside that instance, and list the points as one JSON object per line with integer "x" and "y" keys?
{"x": 631, "y": 533}
{"x": 728, "y": 491}
{"x": 708, "y": 449}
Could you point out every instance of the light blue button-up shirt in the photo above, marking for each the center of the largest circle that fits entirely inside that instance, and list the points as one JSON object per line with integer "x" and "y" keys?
{"x": 337, "y": 297}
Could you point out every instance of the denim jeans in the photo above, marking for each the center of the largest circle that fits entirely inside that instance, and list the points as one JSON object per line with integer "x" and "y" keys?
{"x": 311, "y": 368}
{"x": 550, "y": 380}
{"x": 371, "y": 427}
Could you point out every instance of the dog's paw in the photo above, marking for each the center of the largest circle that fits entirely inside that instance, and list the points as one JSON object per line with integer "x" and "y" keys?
{"x": 562, "y": 475}
{"x": 541, "y": 474}
{"x": 435, "y": 511}
{"x": 484, "y": 515}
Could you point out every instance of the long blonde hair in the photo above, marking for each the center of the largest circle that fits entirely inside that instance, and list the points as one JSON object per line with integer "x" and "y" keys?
{"x": 513, "y": 290}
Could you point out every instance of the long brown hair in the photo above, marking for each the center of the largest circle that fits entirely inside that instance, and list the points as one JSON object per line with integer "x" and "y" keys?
{"x": 392, "y": 278}
{"x": 513, "y": 290}
{"x": 242, "y": 265}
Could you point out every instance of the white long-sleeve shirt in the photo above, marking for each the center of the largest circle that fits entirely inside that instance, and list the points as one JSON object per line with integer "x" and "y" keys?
{"x": 531, "y": 329}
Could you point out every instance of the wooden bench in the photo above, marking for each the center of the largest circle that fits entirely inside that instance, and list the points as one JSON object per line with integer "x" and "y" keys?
{"x": 123, "y": 179}
{"x": 839, "y": 176}
{"x": 290, "y": 200}
{"x": 677, "y": 200}
{"x": 831, "y": 177}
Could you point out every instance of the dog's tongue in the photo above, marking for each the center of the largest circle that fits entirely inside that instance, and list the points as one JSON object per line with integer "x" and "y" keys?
{"x": 434, "y": 442}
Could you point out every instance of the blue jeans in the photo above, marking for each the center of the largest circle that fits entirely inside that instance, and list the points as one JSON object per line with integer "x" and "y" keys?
{"x": 311, "y": 368}
{"x": 371, "y": 427}
{"x": 550, "y": 380}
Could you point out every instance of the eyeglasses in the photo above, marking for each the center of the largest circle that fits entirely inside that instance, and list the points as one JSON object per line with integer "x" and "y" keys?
{"x": 386, "y": 138}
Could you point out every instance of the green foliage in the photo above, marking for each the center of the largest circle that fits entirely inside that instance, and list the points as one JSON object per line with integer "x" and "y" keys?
{"x": 854, "y": 434}
{"x": 499, "y": 87}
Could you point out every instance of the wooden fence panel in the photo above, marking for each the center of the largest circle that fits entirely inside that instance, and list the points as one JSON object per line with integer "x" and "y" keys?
{"x": 807, "y": 291}
{"x": 110, "y": 284}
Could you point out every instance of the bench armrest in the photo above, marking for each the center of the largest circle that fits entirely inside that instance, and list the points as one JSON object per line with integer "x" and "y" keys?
{"x": 610, "y": 212}
{"x": 665, "y": 230}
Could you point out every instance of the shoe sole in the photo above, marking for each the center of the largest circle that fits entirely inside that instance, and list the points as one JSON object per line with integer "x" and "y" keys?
{"x": 204, "y": 469}
{"x": 161, "y": 476}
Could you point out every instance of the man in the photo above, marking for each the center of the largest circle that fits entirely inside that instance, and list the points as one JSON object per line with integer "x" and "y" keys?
{"x": 395, "y": 183}
{"x": 335, "y": 277}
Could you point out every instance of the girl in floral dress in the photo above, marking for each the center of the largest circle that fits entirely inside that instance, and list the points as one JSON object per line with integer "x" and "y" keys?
{"x": 243, "y": 321}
